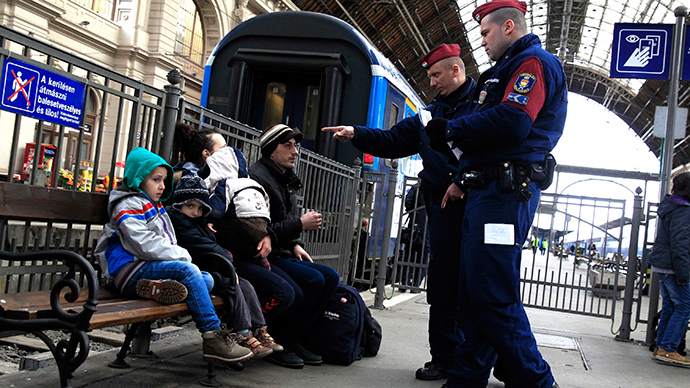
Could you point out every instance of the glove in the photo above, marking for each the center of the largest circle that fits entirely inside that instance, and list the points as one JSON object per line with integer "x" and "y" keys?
{"x": 436, "y": 130}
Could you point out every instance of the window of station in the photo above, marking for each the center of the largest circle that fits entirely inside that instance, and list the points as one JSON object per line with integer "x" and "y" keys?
{"x": 189, "y": 36}
{"x": 104, "y": 8}
{"x": 275, "y": 103}
{"x": 311, "y": 112}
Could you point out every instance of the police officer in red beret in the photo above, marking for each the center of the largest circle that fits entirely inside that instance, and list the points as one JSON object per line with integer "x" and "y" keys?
{"x": 506, "y": 144}
{"x": 446, "y": 73}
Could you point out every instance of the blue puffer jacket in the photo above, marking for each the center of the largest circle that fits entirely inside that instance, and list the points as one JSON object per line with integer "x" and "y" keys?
{"x": 672, "y": 243}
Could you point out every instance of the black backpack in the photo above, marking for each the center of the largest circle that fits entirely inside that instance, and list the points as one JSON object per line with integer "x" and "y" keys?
{"x": 340, "y": 333}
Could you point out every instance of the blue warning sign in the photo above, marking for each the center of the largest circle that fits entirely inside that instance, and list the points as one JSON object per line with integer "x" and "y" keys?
{"x": 41, "y": 94}
{"x": 641, "y": 50}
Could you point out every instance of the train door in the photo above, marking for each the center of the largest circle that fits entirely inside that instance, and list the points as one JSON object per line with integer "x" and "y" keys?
{"x": 289, "y": 98}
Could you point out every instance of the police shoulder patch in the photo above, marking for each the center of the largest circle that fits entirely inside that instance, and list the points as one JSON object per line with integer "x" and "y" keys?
{"x": 524, "y": 83}
{"x": 519, "y": 98}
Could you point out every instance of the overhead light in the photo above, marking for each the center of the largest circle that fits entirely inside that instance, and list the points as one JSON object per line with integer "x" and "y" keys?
{"x": 84, "y": 23}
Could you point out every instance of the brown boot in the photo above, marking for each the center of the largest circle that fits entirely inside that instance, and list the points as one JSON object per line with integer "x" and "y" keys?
{"x": 261, "y": 333}
{"x": 162, "y": 291}
{"x": 250, "y": 342}
{"x": 222, "y": 345}
{"x": 671, "y": 358}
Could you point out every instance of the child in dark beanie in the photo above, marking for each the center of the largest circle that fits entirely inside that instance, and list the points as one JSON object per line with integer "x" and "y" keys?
{"x": 190, "y": 206}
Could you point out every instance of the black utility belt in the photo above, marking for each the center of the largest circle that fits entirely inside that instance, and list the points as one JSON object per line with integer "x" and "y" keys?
{"x": 511, "y": 176}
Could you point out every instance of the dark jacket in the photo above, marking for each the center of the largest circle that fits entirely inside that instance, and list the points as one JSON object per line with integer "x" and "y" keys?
{"x": 408, "y": 138}
{"x": 672, "y": 244}
{"x": 496, "y": 132}
{"x": 281, "y": 188}
{"x": 194, "y": 235}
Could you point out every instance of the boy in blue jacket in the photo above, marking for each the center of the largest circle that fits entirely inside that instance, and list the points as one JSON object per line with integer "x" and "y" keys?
{"x": 138, "y": 248}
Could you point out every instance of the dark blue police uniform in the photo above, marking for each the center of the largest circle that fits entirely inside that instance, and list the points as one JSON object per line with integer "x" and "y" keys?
{"x": 519, "y": 117}
{"x": 408, "y": 138}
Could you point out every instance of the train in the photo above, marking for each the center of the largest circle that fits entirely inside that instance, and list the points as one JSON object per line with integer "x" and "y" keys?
{"x": 310, "y": 70}
{"x": 306, "y": 70}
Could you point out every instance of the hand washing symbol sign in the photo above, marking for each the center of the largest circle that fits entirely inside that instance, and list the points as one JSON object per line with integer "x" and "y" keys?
{"x": 646, "y": 49}
{"x": 640, "y": 51}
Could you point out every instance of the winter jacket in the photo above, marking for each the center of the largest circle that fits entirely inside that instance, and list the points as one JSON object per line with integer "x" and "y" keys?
{"x": 502, "y": 127}
{"x": 282, "y": 193}
{"x": 244, "y": 197}
{"x": 139, "y": 230}
{"x": 408, "y": 138}
{"x": 672, "y": 243}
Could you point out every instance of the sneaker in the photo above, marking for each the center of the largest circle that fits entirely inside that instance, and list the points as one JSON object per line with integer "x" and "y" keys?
{"x": 287, "y": 359}
{"x": 250, "y": 342}
{"x": 431, "y": 371}
{"x": 162, "y": 291}
{"x": 671, "y": 357}
{"x": 261, "y": 333}
{"x": 220, "y": 344}
{"x": 308, "y": 357}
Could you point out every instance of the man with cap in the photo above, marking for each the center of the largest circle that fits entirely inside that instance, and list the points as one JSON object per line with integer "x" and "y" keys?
{"x": 315, "y": 283}
{"x": 506, "y": 162}
{"x": 446, "y": 72}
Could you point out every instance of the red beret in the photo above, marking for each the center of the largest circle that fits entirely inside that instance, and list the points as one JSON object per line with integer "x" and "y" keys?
{"x": 442, "y": 51}
{"x": 491, "y": 6}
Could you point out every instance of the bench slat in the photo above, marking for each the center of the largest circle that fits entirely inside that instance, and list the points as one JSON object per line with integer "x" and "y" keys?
{"x": 38, "y": 300}
{"x": 138, "y": 310}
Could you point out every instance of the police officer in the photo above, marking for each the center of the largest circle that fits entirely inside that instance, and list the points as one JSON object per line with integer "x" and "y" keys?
{"x": 445, "y": 210}
{"x": 519, "y": 117}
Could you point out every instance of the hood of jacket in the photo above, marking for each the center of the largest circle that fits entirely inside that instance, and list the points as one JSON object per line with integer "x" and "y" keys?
{"x": 139, "y": 164}
{"x": 670, "y": 204}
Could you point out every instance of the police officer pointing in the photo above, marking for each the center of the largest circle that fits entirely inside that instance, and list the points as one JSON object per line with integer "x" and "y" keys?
{"x": 519, "y": 117}
{"x": 445, "y": 210}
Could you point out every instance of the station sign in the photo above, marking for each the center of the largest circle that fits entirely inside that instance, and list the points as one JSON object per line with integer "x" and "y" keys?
{"x": 641, "y": 50}
{"x": 39, "y": 93}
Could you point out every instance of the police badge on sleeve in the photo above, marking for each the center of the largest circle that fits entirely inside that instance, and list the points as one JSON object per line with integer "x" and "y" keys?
{"x": 524, "y": 83}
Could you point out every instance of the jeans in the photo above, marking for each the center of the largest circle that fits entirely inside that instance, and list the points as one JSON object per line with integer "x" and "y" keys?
{"x": 275, "y": 290}
{"x": 316, "y": 283}
{"x": 675, "y": 312}
{"x": 198, "y": 297}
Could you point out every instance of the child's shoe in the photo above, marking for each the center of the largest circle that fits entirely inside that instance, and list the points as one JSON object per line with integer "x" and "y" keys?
{"x": 222, "y": 345}
{"x": 264, "y": 263}
{"x": 250, "y": 342}
{"x": 162, "y": 291}
{"x": 261, "y": 334}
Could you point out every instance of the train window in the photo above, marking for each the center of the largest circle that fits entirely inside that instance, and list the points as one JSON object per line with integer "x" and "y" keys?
{"x": 189, "y": 37}
{"x": 393, "y": 117}
{"x": 275, "y": 103}
{"x": 311, "y": 112}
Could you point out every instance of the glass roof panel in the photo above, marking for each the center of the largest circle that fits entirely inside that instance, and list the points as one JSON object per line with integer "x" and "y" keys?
{"x": 596, "y": 31}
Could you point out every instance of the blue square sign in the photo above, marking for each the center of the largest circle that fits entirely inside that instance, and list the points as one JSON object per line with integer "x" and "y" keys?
{"x": 39, "y": 93}
{"x": 641, "y": 50}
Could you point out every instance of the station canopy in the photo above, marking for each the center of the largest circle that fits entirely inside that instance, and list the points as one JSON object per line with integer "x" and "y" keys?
{"x": 580, "y": 33}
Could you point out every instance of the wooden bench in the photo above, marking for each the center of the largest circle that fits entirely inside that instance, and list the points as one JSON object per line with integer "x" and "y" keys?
{"x": 47, "y": 284}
